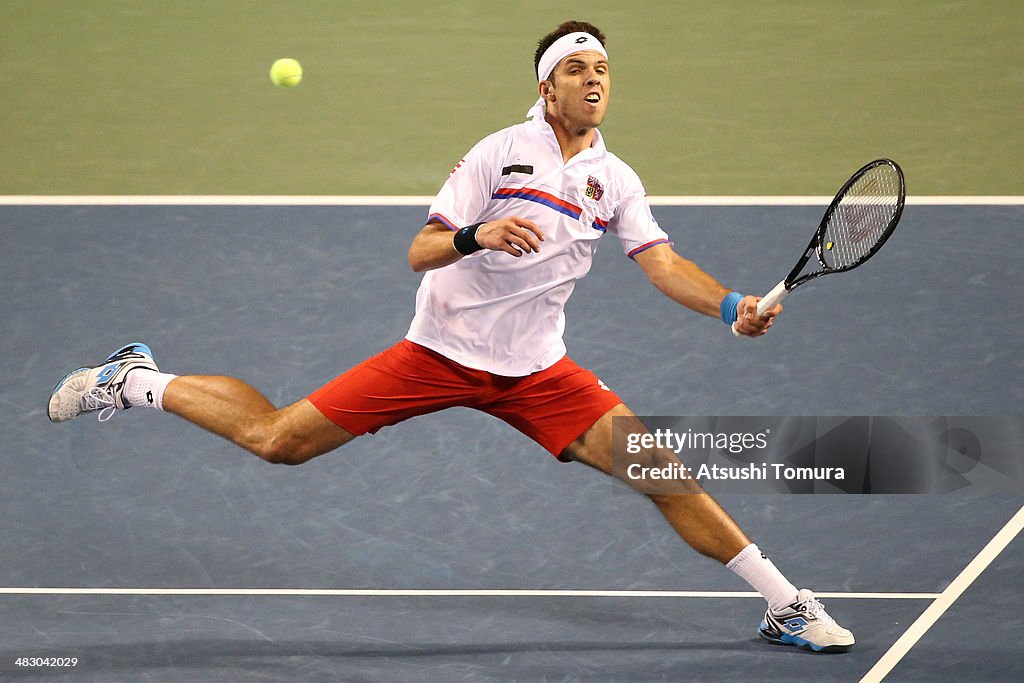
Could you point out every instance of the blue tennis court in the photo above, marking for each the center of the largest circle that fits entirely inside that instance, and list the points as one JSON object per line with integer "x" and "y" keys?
{"x": 451, "y": 547}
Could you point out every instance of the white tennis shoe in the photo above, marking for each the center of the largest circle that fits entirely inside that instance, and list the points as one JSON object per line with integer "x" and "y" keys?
{"x": 807, "y": 625}
{"x": 100, "y": 387}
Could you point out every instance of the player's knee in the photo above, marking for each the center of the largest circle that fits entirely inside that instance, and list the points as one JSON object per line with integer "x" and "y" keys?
{"x": 279, "y": 447}
{"x": 276, "y": 455}
{"x": 283, "y": 452}
{"x": 278, "y": 438}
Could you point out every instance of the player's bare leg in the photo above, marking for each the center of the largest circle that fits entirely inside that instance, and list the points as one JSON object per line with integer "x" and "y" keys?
{"x": 694, "y": 514}
{"x": 793, "y": 617}
{"x": 238, "y": 412}
{"x": 129, "y": 377}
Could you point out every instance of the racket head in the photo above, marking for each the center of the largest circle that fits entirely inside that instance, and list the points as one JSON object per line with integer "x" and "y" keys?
{"x": 861, "y": 217}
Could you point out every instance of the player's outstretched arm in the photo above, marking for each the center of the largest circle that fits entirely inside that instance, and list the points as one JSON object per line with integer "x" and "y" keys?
{"x": 685, "y": 283}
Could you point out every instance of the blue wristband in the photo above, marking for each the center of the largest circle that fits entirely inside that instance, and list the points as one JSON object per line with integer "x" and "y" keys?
{"x": 729, "y": 304}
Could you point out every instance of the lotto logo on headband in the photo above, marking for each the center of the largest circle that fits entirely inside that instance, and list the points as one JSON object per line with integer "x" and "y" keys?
{"x": 581, "y": 40}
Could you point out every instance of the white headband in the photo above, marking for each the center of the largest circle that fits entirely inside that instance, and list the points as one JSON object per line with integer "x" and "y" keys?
{"x": 562, "y": 48}
{"x": 559, "y": 50}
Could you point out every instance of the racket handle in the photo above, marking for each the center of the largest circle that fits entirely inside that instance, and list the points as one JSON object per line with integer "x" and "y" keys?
{"x": 772, "y": 298}
{"x": 778, "y": 293}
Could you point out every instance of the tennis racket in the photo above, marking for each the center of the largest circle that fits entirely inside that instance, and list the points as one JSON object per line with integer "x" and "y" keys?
{"x": 856, "y": 224}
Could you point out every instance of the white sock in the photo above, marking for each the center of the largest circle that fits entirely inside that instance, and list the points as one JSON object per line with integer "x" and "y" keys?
{"x": 146, "y": 388}
{"x": 753, "y": 567}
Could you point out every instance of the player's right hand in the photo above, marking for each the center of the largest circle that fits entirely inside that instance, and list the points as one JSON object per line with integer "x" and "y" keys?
{"x": 748, "y": 322}
{"x": 512, "y": 235}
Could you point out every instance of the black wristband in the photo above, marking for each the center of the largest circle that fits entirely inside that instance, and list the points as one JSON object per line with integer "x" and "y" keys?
{"x": 465, "y": 240}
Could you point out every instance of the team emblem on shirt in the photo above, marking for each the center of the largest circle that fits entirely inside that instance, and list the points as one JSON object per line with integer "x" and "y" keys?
{"x": 595, "y": 190}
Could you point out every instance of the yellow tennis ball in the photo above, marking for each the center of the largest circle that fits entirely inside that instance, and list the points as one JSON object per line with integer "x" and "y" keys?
{"x": 286, "y": 72}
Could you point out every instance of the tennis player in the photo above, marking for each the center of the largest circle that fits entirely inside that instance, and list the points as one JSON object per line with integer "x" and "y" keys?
{"x": 514, "y": 227}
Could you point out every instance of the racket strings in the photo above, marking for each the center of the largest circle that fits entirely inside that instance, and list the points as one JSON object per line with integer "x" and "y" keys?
{"x": 861, "y": 218}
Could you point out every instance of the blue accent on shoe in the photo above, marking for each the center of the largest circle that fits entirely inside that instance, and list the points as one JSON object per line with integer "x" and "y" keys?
{"x": 106, "y": 374}
{"x": 800, "y": 642}
{"x": 787, "y": 639}
{"x": 795, "y": 624}
{"x": 136, "y": 347}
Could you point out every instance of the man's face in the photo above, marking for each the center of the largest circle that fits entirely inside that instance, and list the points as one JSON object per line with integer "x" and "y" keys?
{"x": 578, "y": 90}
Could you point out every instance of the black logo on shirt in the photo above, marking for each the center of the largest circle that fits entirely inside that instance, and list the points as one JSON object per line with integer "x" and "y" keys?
{"x": 517, "y": 168}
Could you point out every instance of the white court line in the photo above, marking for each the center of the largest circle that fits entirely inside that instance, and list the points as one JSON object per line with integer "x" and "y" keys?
{"x": 414, "y": 200}
{"x": 946, "y": 599}
{"x": 371, "y": 592}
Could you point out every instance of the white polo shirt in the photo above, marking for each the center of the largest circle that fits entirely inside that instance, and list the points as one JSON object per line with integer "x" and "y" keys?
{"x": 495, "y": 312}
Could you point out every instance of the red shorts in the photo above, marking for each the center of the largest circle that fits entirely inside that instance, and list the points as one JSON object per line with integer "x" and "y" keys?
{"x": 553, "y": 407}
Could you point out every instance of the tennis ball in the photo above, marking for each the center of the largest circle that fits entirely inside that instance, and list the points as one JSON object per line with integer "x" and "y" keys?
{"x": 286, "y": 73}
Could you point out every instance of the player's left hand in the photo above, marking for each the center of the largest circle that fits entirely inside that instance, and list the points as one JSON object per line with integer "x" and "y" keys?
{"x": 748, "y": 322}
{"x": 512, "y": 235}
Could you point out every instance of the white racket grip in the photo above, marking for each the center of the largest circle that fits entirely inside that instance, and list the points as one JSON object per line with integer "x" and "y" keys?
{"x": 773, "y": 297}
{"x": 778, "y": 293}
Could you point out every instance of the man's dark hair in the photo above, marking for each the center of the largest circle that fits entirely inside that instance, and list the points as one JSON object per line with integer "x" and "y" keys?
{"x": 564, "y": 29}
